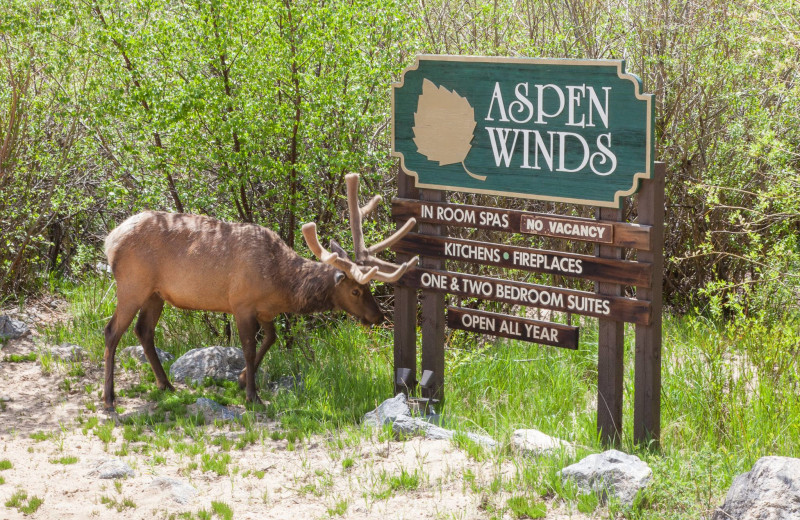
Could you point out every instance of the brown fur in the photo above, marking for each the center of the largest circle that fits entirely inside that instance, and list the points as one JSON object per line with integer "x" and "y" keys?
{"x": 200, "y": 263}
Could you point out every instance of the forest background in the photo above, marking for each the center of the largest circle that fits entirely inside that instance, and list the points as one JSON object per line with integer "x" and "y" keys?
{"x": 255, "y": 110}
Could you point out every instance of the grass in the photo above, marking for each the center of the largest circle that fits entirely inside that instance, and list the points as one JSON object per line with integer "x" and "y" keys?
{"x": 18, "y": 501}
{"x": 19, "y": 358}
{"x": 728, "y": 398}
{"x": 5, "y": 464}
{"x": 526, "y": 507}
{"x": 68, "y": 459}
{"x": 119, "y": 505}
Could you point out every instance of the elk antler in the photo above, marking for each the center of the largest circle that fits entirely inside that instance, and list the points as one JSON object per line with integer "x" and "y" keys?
{"x": 359, "y": 270}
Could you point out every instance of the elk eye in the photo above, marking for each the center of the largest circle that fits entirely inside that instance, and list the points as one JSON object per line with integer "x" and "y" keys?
{"x": 356, "y": 292}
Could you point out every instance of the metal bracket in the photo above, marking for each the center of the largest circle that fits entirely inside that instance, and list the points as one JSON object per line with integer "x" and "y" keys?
{"x": 425, "y": 382}
{"x": 403, "y": 378}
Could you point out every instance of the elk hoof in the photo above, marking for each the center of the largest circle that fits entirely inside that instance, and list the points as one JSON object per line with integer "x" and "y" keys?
{"x": 254, "y": 402}
{"x": 166, "y": 386}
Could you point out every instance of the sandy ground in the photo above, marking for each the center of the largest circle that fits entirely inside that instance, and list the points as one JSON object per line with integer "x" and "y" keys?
{"x": 265, "y": 480}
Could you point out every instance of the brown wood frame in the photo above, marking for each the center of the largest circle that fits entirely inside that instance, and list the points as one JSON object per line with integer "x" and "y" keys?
{"x": 646, "y": 237}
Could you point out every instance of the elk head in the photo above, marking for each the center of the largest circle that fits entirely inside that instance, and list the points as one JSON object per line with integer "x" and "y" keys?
{"x": 352, "y": 292}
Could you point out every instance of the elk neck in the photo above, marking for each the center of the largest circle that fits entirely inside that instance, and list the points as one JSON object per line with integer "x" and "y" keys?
{"x": 312, "y": 287}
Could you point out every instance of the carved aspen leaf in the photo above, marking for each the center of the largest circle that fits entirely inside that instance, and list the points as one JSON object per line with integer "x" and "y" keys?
{"x": 443, "y": 125}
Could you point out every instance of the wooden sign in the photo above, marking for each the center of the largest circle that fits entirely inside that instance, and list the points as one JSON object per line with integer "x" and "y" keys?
{"x": 585, "y": 303}
{"x": 536, "y": 260}
{"x": 577, "y": 131}
{"x": 573, "y": 131}
{"x": 513, "y": 327}
{"x": 621, "y": 234}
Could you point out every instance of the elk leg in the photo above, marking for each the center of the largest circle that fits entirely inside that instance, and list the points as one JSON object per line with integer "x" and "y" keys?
{"x": 145, "y": 331}
{"x": 119, "y": 323}
{"x": 248, "y": 326}
{"x": 266, "y": 343}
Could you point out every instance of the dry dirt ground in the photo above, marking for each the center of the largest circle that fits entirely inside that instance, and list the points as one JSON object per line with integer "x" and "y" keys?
{"x": 267, "y": 479}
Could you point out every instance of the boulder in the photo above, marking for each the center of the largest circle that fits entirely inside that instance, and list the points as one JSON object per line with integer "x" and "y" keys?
{"x": 611, "y": 473}
{"x": 769, "y": 491}
{"x": 407, "y": 425}
{"x": 535, "y": 443}
{"x": 177, "y": 490}
{"x": 219, "y": 363}
{"x": 388, "y": 411}
{"x": 11, "y": 328}
{"x": 137, "y": 353}
{"x": 111, "y": 468}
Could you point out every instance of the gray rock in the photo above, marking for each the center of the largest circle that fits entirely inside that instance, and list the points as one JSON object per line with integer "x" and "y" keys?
{"x": 535, "y": 443}
{"x": 220, "y": 363}
{"x": 407, "y": 425}
{"x": 137, "y": 353}
{"x": 212, "y": 410}
{"x": 111, "y": 468}
{"x": 67, "y": 352}
{"x": 11, "y": 328}
{"x": 769, "y": 491}
{"x": 287, "y": 383}
{"x": 611, "y": 473}
{"x": 388, "y": 411}
{"x": 177, "y": 490}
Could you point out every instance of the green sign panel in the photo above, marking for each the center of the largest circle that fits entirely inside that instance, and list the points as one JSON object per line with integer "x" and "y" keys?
{"x": 576, "y": 131}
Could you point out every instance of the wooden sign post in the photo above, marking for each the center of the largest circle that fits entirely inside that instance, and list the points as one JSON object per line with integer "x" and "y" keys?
{"x": 575, "y": 131}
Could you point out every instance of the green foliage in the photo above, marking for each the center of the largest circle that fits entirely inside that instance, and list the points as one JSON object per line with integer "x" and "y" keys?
{"x": 526, "y": 507}
{"x": 17, "y": 500}
{"x": 5, "y": 464}
{"x": 66, "y": 460}
{"x": 19, "y": 358}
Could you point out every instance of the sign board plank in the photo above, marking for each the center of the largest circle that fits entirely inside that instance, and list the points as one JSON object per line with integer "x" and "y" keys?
{"x": 513, "y": 327}
{"x": 537, "y": 260}
{"x": 575, "y": 131}
{"x": 621, "y": 234}
{"x": 530, "y": 295}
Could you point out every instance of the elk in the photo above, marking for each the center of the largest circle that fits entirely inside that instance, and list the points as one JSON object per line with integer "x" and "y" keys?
{"x": 200, "y": 263}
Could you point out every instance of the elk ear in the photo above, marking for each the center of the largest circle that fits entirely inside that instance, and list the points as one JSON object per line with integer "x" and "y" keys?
{"x": 338, "y": 277}
{"x": 338, "y": 250}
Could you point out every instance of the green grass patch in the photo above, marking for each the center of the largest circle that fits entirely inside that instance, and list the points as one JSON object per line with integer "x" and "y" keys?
{"x": 19, "y": 358}
{"x": 21, "y": 502}
{"x": 526, "y": 507}
{"x": 66, "y": 460}
{"x": 119, "y": 505}
{"x": 5, "y": 464}
{"x": 222, "y": 510}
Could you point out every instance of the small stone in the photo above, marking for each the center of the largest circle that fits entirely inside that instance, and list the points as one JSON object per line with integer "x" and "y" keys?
{"x": 137, "y": 352}
{"x": 11, "y": 328}
{"x": 219, "y": 363}
{"x": 212, "y": 410}
{"x": 111, "y": 468}
{"x": 67, "y": 352}
{"x": 769, "y": 491}
{"x": 611, "y": 473}
{"x": 179, "y": 491}
{"x": 535, "y": 443}
{"x": 287, "y": 383}
{"x": 387, "y": 412}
